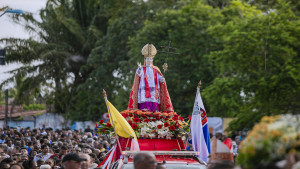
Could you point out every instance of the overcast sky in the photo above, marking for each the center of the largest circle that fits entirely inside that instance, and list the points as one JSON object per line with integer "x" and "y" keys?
{"x": 10, "y": 29}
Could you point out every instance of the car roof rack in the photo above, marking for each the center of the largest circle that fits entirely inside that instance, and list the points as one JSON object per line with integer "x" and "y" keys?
{"x": 127, "y": 154}
{"x": 173, "y": 153}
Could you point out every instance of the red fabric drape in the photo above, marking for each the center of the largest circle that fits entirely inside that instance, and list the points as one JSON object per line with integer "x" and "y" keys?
{"x": 155, "y": 144}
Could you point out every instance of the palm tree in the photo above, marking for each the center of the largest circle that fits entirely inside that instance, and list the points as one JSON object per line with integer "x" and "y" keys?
{"x": 79, "y": 45}
{"x": 66, "y": 35}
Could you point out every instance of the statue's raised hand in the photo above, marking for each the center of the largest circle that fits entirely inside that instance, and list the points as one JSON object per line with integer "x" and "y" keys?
{"x": 139, "y": 64}
{"x": 163, "y": 80}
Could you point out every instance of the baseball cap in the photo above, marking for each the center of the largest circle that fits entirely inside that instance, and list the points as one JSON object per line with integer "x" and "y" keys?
{"x": 72, "y": 156}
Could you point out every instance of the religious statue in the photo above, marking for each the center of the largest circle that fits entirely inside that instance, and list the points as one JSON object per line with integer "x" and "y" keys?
{"x": 149, "y": 89}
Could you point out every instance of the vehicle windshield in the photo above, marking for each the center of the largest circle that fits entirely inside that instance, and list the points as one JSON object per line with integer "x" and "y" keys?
{"x": 171, "y": 166}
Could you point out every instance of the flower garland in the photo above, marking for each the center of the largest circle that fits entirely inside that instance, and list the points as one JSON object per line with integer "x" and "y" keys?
{"x": 147, "y": 124}
{"x": 270, "y": 141}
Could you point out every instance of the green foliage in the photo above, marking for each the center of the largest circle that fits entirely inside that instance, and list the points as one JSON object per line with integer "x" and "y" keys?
{"x": 34, "y": 107}
{"x": 68, "y": 32}
{"x": 245, "y": 52}
{"x": 20, "y": 118}
{"x": 38, "y": 114}
{"x": 187, "y": 28}
{"x": 111, "y": 63}
{"x": 257, "y": 66}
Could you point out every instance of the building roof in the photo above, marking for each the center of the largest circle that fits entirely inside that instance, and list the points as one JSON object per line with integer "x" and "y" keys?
{"x": 18, "y": 114}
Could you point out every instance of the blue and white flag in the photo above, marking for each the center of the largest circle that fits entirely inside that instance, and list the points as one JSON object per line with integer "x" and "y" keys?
{"x": 204, "y": 124}
{"x": 198, "y": 139}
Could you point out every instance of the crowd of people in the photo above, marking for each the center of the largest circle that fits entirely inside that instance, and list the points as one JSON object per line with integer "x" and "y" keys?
{"x": 47, "y": 148}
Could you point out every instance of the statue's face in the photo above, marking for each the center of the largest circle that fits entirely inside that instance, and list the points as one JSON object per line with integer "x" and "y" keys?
{"x": 148, "y": 61}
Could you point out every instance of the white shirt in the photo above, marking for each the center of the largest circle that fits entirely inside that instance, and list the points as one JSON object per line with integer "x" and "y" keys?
{"x": 41, "y": 156}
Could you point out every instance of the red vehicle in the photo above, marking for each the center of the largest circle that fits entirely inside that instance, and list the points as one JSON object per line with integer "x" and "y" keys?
{"x": 171, "y": 159}
{"x": 166, "y": 152}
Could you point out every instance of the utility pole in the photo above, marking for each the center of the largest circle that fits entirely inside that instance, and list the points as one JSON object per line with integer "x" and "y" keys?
{"x": 2, "y": 56}
{"x": 6, "y": 107}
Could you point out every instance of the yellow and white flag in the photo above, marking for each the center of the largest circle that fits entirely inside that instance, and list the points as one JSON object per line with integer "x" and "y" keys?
{"x": 121, "y": 126}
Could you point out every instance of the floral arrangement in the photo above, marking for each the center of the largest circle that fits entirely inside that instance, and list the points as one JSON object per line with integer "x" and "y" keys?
{"x": 270, "y": 141}
{"x": 147, "y": 124}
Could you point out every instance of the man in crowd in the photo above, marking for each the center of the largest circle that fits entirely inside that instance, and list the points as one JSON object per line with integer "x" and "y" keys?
{"x": 88, "y": 129}
{"x": 78, "y": 150}
{"x": 24, "y": 151}
{"x": 144, "y": 160}
{"x": 9, "y": 143}
{"x": 44, "y": 155}
{"x": 63, "y": 151}
{"x": 72, "y": 161}
{"x": 85, "y": 164}
{"x": 236, "y": 144}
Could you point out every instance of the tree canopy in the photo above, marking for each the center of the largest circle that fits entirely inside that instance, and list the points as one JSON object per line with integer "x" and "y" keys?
{"x": 245, "y": 53}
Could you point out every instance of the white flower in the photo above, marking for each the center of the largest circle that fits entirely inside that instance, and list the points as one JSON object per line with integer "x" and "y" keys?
{"x": 151, "y": 135}
{"x": 169, "y": 136}
{"x": 152, "y": 124}
{"x": 144, "y": 129}
{"x": 159, "y": 123}
{"x": 162, "y": 132}
{"x": 277, "y": 125}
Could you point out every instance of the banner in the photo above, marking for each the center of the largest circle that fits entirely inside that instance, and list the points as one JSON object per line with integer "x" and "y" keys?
{"x": 196, "y": 131}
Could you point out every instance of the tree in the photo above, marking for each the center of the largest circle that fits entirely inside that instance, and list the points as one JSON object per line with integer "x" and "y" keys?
{"x": 113, "y": 69}
{"x": 66, "y": 35}
{"x": 259, "y": 65}
{"x": 187, "y": 28}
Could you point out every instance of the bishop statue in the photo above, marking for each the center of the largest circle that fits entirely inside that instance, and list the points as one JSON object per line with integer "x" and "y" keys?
{"x": 149, "y": 90}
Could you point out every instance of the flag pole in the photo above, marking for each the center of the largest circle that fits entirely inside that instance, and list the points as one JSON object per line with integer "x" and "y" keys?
{"x": 110, "y": 117}
{"x": 199, "y": 85}
{"x": 198, "y": 88}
